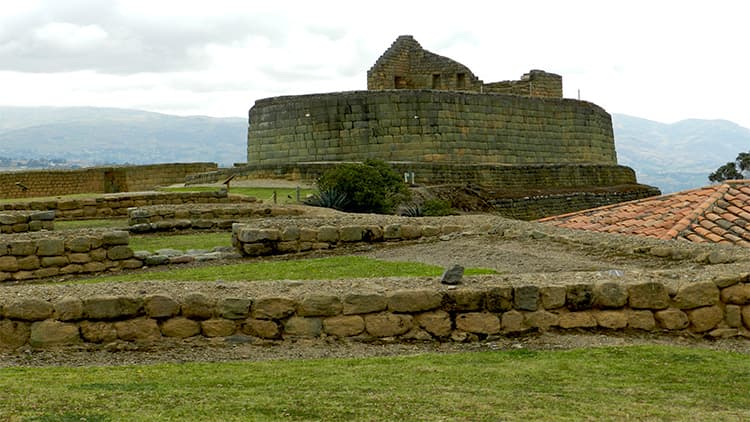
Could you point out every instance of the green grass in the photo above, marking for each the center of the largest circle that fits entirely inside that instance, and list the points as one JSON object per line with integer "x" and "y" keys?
{"x": 182, "y": 242}
{"x": 283, "y": 195}
{"x": 621, "y": 383}
{"x": 332, "y": 268}
{"x": 91, "y": 224}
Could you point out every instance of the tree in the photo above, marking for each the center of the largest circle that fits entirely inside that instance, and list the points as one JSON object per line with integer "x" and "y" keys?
{"x": 732, "y": 170}
{"x": 371, "y": 186}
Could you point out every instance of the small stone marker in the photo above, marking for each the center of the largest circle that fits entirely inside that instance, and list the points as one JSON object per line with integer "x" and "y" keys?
{"x": 453, "y": 275}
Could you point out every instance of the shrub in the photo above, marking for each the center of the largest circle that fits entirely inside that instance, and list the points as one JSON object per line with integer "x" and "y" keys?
{"x": 371, "y": 186}
{"x": 436, "y": 208}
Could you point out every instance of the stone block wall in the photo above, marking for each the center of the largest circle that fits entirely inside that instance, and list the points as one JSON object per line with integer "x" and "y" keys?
{"x": 41, "y": 183}
{"x": 26, "y": 221}
{"x": 41, "y": 256}
{"x": 117, "y": 205}
{"x": 536, "y": 83}
{"x": 200, "y": 217}
{"x": 540, "y": 206}
{"x": 430, "y": 127}
{"x": 252, "y": 240}
{"x": 716, "y": 307}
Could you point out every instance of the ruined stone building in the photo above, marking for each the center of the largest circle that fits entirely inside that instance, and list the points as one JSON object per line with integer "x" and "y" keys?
{"x": 432, "y": 116}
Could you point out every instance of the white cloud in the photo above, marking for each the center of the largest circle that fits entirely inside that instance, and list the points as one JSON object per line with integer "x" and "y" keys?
{"x": 70, "y": 36}
{"x": 663, "y": 60}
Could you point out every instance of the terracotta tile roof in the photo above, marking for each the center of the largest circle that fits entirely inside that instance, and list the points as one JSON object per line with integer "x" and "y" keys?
{"x": 718, "y": 214}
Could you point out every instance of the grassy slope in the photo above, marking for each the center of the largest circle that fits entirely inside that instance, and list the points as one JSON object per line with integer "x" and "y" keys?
{"x": 646, "y": 382}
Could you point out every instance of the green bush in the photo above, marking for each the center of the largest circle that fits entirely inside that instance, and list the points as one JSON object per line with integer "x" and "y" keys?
{"x": 371, "y": 186}
{"x": 436, "y": 208}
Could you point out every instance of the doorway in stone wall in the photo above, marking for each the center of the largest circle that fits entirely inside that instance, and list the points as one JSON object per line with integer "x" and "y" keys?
{"x": 110, "y": 185}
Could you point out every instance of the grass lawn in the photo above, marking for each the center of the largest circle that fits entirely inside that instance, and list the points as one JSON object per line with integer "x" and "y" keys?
{"x": 283, "y": 195}
{"x": 332, "y": 268}
{"x": 182, "y": 242}
{"x": 643, "y": 382}
{"x": 110, "y": 223}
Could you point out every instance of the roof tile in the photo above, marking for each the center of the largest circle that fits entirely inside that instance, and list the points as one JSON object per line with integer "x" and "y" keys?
{"x": 718, "y": 213}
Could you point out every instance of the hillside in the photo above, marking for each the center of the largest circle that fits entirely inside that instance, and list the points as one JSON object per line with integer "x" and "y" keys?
{"x": 672, "y": 157}
{"x": 106, "y": 135}
{"x": 680, "y": 155}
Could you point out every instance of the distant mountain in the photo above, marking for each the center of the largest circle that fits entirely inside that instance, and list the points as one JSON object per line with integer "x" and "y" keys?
{"x": 677, "y": 156}
{"x": 110, "y": 135}
{"x": 672, "y": 157}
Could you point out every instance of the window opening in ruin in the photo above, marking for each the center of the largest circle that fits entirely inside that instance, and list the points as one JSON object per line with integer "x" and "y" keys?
{"x": 460, "y": 80}
{"x": 399, "y": 82}
{"x": 435, "y": 81}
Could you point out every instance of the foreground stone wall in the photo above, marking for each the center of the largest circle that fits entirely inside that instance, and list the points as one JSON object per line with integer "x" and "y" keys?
{"x": 41, "y": 183}
{"x": 32, "y": 257}
{"x": 428, "y": 126}
{"x": 719, "y": 308}
{"x": 117, "y": 205}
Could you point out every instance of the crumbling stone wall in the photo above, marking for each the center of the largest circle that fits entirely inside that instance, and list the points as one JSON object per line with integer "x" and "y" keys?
{"x": 429, "y": 126}
{"x": 718, "y": 307}
{"x": 536, "y": 83}
{"x": 117, "y": 205}
{"x": 40, "y": 183}
{"x": 26, "y": 221}
{"x": 200, "y": 217}
{"x": 49, "y": 255}
{"x": 406, "y": 65}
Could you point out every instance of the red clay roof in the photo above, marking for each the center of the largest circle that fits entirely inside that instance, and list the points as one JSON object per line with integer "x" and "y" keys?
{"x": 718, "y": 214}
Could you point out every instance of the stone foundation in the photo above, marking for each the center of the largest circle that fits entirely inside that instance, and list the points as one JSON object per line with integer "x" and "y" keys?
{"x": 718, "y": 307}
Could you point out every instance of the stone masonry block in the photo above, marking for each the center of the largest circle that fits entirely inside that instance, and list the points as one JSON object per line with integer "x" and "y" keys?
{"x": 273, "y": 308}
{"x": 344, "y": 325}
{"x": 437, "y": 323}
{"x": 526, "y": 298}
{"x": 364, "y": 303}
{"x": 649, "y": 295}
{"x": 30, "y": 309}
{"x": 388, "y": 324}
{"x": 319, "y": 305}
{"x": 51, "y": 333}
{"x": 414, "y": 300}
{"x": 303, "y": 327}
{"x": 610, "y": 295}
{"x": 478, "y": 323}
{"x": 553, "y": 297}
{"x": 695, "y": 295}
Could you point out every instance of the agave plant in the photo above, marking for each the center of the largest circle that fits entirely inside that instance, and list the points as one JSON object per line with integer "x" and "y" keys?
{"x": 411, "y": 210}
{"x": 328, "y": 198}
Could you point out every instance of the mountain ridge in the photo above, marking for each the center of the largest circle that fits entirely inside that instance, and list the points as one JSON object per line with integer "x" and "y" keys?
{"x": 672, "y": 156}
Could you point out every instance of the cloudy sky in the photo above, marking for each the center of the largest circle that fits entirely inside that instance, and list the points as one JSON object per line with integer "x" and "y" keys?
{"x": 662, "y": 60}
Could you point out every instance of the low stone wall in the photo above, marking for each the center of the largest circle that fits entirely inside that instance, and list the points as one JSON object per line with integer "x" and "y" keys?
{"x": 718, "y": 307}
{"x": 26, "y": 221}
{"x": 116, "y": 205}
{"x": 51, "y": 182}
{"x": 540, "y": 206}
{"x": 202, "y": 217}
{"x": 251, "y": 240}
{"x": 32, "y": 257}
